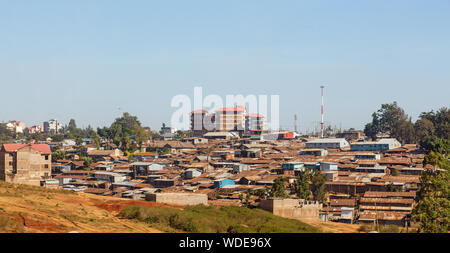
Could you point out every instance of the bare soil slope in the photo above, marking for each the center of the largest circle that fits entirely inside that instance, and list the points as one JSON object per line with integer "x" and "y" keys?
{"x": 35, "y": 209}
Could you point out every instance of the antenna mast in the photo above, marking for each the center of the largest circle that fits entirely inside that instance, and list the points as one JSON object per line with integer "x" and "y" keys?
{"x": 321, "y": 124}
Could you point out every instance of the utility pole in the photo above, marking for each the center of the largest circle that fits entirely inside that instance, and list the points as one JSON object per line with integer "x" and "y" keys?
{"x": 321, "y": 124}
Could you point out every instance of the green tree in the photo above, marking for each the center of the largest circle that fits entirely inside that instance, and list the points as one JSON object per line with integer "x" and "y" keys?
{"x": 278, "y": 189}
{"x": 391, "y": 119}
{"x": 440, "y": 120}
{"x": 125, "y": 131}
{"x": 87, "y": 161}
{"x": 59, "y": 155}
{"x": 318, "y": 186}
{"x": 57, "y": 137}
{"x": 433, "y": 199}
{"x": 395, "y": 172}
{"x": 72, "y": 127}
{"x": 435, "y": 144}
{"x": 423, "y": 128}
{"x": 301, "y": 186}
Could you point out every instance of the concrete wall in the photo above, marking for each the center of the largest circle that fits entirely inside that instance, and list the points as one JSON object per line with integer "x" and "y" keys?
{"x": 291, "y": 208}
{"x": 182, "y": 199}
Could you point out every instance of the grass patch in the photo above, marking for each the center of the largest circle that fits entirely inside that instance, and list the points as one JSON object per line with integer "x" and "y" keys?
{"x": 209, "y": 219}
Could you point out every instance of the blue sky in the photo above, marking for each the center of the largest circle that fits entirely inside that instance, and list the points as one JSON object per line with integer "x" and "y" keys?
{"x": 84, "y": 59}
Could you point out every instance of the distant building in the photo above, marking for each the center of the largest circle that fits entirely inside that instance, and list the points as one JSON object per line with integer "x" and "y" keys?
{"x": 325, "y": 166}
{"x": 293, "y": 166}
{"x": 367, "y": 156}
{"x": 314, "y": 152}
{"x": 25, "y": 163}
{"x": 168, "y": 132}
{"x": 327, "y": 143}
{"x": 380, "y": 145}
{"x": 255, "y": 123}
{"x": 101, "y": 155}
{"x": 222, "y": 183}
{"x": 282, "y": 135}
{"x": 52, "y": 126}
{"x": 110, "y": 177}
{"x": 15, "y": 126}
{"x": 231, "y": 119}
{"x": 34, "y": 129}
{"x": 202, "y": 122}
{"x": 220, "y": 135}
{"x": 351, "y": 135}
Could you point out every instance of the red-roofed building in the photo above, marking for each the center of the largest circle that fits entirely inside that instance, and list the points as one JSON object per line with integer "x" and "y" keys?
{"x": 25, "y": 163}
{"x": 255, "y": 123}
{"x": 202, "y": 122}
{"x": 231, "y": 119}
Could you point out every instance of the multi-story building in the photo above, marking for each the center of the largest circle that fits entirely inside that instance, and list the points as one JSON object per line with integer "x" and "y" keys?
{"x": 25, "y": 163}
{"x": 231, "y": 119}
{"x": 15, "y": 126}
{"x": 34, "y": 129}
{"x": 202, "y": 122}
{"x": 52, "y": 126}
{"x": 255, "y": 123}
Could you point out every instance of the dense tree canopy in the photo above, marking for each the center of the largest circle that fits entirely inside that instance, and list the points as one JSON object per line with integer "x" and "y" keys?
{"x": 391, "y": 119}
{"x": 125, "y": 132}
{"x": 433, "y": 208}
{"x": 278, "y": 189}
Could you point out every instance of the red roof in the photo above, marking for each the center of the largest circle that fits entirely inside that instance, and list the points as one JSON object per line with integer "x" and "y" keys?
{"x": 289, "y": 135}
{"x": 258, "y": 115}
{"x": 43, "y": 148}
{"x": 199, "y": 111}
{"x": 232, "y": 109}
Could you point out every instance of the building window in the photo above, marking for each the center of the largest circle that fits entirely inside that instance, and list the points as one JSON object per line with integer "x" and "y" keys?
{"x": 45, "y": 174}
{"x": 46, "y": 166}
{"x": 46, "y": 157}
{"x": 10, "y": 163}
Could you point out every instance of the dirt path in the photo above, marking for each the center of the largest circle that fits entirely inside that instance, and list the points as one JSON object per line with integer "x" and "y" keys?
{"x": 332, "y": 227}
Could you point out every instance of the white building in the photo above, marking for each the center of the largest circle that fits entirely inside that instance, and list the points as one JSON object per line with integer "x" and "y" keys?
{"x": 325, "y": 166}
{"x": 52, "y": 126}
{"x": 380, "y": 145}
{"x": 110, "y": 177}
{"x": 326, "y": 143}
{"x": 15, "y": 126}
{"x": 192, "y": 173}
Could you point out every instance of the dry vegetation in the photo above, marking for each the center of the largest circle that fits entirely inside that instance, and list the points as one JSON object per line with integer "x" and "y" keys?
{"x": 35, "y": 209}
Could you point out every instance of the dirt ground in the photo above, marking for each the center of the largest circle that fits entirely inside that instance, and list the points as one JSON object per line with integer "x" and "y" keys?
{"x": 62, "y": 213}
{"x": 332, "y": 227}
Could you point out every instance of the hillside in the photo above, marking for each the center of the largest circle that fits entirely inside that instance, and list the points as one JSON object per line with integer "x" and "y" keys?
{"x": 32, "y": 209}
{"x": 35, "y": 209}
